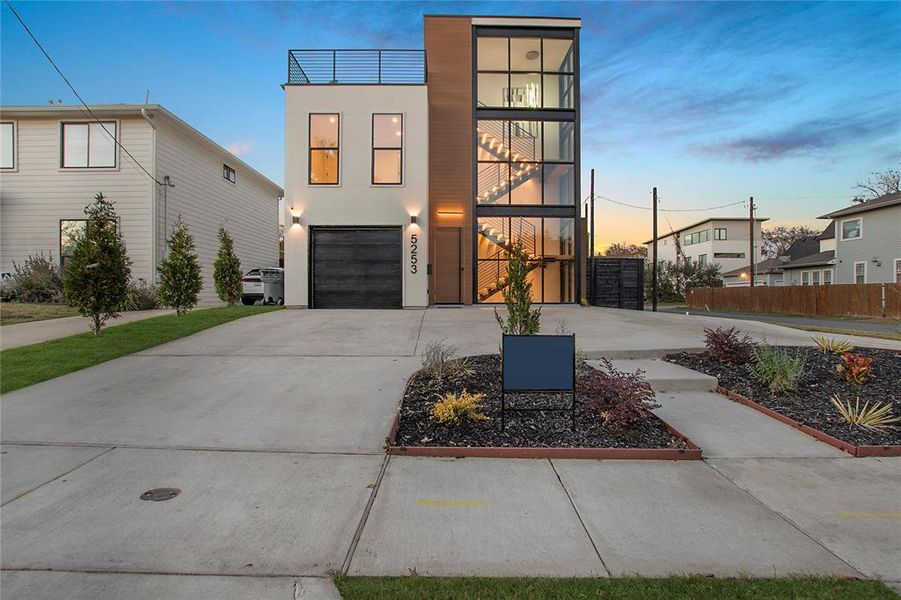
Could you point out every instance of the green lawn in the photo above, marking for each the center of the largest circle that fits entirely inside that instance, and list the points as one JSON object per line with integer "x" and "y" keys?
{"x": 27, "y": 365}
{"x": 673, "y": 588}
{"x": 23, "y": 312}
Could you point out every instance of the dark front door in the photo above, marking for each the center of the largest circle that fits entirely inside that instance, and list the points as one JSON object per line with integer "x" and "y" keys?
{"x": 448, "y": 265}
{"x": 356, "y": 267}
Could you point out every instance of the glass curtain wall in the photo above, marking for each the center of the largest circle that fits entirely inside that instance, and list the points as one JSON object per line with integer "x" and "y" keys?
{"x": 550, "y": 245}
{"x": 525, "y": 162}
{"x": 525, "y": 72}
{"x": 525, "y": 158}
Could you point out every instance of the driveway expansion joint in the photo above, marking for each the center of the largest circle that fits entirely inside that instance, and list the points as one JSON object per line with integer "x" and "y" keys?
{"x": 787, "y": 520}
{"x": 579, "y": 516}
{"x": 72, "y": 470}
{"x": 358, "y": 533}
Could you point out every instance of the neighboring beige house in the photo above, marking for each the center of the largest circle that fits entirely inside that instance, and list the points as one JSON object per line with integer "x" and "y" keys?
{"x": 55, "y": 159}
{"x": 722, "y": 241}
{"x": 771, "y": 272}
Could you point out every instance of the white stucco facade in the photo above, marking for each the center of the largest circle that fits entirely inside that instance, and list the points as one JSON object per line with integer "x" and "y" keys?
{"x": 355, "y": 201}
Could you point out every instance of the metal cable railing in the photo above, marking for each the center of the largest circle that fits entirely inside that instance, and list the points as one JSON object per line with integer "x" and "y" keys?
{"x": 347, "y": 67}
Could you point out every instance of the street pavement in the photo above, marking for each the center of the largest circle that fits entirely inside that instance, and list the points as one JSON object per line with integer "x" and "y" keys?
{"x": 272, "y": 429}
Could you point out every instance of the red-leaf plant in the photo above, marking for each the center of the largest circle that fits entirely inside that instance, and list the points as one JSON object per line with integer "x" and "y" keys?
{"x": 621, "y": 399}
{"x": 855, "y": 368}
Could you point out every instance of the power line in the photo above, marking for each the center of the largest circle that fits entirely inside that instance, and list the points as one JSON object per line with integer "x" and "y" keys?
{"x": 670, "y": 209}
{"x": 77, "y": 95}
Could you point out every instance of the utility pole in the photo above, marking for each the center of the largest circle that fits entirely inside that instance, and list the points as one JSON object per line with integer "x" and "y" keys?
{"x": 751, "y": 230}
{"x": 654, "y": 264}
{"x": 591, "y": 252}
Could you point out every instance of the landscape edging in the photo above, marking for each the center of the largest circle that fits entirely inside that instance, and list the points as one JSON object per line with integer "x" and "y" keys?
{"x": 856, "y": 451}
{"x": 692, "y": 452}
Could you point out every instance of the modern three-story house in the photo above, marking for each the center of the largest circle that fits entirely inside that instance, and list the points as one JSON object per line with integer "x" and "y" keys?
{"x": 411, "y": 174}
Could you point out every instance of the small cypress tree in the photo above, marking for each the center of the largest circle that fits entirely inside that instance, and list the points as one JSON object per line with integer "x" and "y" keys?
{"x": 227, "y": 270}
{"x": 521, "y": 319}
{"x": 96, "y": 276}
{"x": 180, "y": 281}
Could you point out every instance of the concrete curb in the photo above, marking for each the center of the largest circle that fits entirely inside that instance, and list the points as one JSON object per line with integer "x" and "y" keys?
{"x": 856, "y": 451}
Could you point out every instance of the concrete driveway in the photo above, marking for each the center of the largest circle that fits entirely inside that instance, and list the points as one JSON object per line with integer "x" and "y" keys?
{"x": 272, "y": 427}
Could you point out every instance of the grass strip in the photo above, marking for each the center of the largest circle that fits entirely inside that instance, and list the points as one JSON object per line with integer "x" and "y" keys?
{"x": 27, "y": 365}
{"x": 670, "y": 588}
{"x": 12, "y": 313}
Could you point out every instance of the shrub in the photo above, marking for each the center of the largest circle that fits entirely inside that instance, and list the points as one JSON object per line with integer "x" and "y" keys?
{"x": 180, "y": 281}
{"x": 457, "y": 409}
{"x": 141, "y": 296}
{"x": 36, "y": 280}
{"x": 877, "y": 416}
{"x": 777, "y": 368}
{"x": 728, "y": 346}
{"x": 97, "y": 275}
{"x": 620, "y": 399}
{"x": 674, "y": 277}
{"x": 521, "y": 319}
{"x": 227, "y": 270}
{"x": 855, "y": 368}
{"x": 832, "y": 345}
{"x": 440, "y": 361}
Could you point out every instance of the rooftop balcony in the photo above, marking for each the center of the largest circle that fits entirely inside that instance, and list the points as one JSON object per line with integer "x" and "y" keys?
{"x": 356, "y": 67}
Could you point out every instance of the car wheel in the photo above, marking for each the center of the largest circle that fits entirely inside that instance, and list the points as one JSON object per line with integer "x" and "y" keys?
{"x": 281, "y": 301}
{"x": 247, "y": 301}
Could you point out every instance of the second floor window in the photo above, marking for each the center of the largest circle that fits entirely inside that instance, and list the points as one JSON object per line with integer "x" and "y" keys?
{"x": 89, "y": 144}
{"x": 324, "y": 148}
{"x": 387, "y": 149}
{"x": 851, "y": 229}
{"x": 719, "y": 233}
{"x": 7, "y": 146}
{"x": 228, "y": 174}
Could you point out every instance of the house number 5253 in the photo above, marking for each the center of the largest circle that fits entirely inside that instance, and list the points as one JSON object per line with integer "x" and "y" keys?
{"x": 414, "y": 252}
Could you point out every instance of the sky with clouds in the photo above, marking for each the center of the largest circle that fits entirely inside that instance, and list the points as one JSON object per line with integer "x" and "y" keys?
{"x": 710, "y": 102}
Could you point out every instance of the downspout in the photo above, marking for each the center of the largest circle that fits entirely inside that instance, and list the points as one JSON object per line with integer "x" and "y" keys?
{"x": 154, "y": 227}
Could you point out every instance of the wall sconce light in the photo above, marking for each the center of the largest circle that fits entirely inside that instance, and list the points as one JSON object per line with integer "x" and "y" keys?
{"x": 295, "y": 219}
{"x": 414, "y": 220}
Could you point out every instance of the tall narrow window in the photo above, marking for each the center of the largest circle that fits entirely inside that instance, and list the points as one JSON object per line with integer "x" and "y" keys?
{"x": 89, "y": 145}
{"x": 860, "y": 272}
{"x": 387, "y": 149}
{"x": 7, "y": 146}
{"x": 70, "y": 233}
{"x": 324, "y": 148}
{"x": 229, "y": 174}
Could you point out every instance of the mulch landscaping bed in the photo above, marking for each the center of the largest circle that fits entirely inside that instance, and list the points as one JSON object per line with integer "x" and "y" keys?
{"x": 810, "y": 405}
{"x": 417, "y": 432}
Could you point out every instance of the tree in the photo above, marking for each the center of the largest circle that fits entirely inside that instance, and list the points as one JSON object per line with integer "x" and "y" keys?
{"x": 878, "y": 184}
{"x": 622, "y": 249}
{"x": 180, "y": 281}
{"x": 673, "y": 278}
{"x": 227, "y": 273}
{"x": 521, "y": 318}
{"x": 777, "y": 240}
{"x": 96, "y": 276}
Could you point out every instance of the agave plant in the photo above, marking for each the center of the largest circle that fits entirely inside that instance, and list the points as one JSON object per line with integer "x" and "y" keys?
{"x": 877, "y": 416}
{"x": 832, "y": 345}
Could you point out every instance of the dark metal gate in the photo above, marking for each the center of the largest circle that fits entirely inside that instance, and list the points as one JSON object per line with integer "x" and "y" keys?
{"x": 616, "y": 282}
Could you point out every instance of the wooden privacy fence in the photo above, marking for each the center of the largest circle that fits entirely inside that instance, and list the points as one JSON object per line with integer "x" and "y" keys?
{"x": 858, "y": 299}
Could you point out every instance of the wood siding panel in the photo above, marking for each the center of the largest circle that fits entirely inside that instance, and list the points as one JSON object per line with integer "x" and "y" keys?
{"x": 204, "y": 199}
{"x": 35, "y": 196}
{"x": 448, "y": 44}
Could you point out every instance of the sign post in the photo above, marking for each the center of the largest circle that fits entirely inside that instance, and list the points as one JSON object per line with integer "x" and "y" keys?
{"x": 538, "y": 363}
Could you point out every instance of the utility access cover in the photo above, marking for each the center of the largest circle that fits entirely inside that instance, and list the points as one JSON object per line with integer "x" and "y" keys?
{"x": 160, "y": 494}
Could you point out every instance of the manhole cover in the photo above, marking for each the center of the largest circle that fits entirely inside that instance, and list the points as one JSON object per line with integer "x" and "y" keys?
{"x": 160, "y": 494}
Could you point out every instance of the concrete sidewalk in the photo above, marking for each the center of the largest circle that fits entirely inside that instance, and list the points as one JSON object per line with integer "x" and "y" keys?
{"x": 24, "y": 334}
{"x": 275, "y": 442}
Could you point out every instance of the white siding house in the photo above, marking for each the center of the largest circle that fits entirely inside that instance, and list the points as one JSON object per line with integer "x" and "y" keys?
{"x": 61, "y": 158}
{"x": 722, "y": 241}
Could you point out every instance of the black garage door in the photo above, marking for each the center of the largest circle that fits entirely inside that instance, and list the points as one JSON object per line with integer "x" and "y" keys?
{"x": 356, "y": 267}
